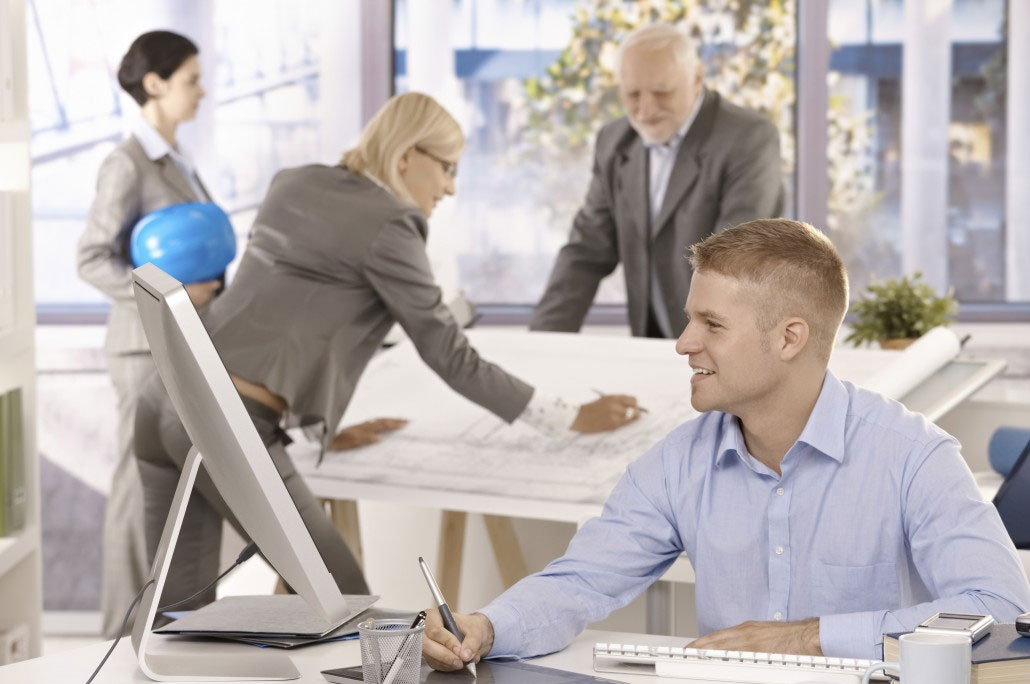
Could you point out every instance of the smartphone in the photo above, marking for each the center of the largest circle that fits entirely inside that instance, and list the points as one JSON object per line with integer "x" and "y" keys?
{"x": 1023, "y": 624}
{"x": 343, "y": 675}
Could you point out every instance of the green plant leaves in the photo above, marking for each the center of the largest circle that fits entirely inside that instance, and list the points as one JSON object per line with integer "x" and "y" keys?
{"x": 906, "y": 307}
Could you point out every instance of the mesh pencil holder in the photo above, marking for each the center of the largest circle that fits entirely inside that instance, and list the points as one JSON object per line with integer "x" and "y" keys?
{"x": 391, "y": 651}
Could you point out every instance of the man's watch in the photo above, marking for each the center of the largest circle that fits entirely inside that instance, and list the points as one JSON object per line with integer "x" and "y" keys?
{"x": 974, "y": 626}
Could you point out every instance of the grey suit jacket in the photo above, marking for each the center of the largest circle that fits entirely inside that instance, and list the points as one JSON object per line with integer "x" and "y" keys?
{"x": 332, "y": 262}
{"x": 727, "y": 171}
{"x": 129, "y": 186}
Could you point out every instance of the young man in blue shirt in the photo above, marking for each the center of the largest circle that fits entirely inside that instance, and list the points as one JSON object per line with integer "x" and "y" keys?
{"x": 817, "y": 516}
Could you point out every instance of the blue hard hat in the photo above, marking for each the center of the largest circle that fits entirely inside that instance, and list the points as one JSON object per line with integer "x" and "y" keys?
{"x": 190, "y": 242}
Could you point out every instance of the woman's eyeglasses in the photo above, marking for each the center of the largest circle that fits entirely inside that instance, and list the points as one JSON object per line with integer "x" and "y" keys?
{"x": 449, "y": 167}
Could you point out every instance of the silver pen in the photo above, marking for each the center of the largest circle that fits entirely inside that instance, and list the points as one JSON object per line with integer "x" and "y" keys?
{"x": 445, "y": 611}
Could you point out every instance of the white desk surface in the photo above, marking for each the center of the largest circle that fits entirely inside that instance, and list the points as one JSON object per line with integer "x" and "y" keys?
{"x": 75, "y": 666}
{"x": 456, "y": 452}
{"x": 457, "y": 456}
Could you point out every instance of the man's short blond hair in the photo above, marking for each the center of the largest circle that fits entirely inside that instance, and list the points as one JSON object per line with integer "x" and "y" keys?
{"x": 793, "y": 268}
{"x": 405, "y": 121}
{"x": 660, "y": 37}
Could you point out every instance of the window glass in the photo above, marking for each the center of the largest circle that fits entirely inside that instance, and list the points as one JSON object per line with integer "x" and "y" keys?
{"x": 967, "y": 159}
{"x": 536, "y": 83}
{"x": 262, "y": 78}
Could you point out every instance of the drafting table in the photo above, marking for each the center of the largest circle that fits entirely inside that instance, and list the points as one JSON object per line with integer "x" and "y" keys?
{"x": 454, "y": 450}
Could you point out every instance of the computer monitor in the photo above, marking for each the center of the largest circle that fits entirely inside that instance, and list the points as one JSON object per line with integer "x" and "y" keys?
{"x": 240, "y": 467}
{"x": 1013, "y": 500}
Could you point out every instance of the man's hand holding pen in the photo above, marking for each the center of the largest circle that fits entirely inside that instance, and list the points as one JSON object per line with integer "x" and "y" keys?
{"x": 442, "y": 649}
{"x": 609, "y": 412}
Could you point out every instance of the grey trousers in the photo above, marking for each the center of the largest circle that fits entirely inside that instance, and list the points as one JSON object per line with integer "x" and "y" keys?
{"x": 126, "y": 563}
{"x": 161, "y": 449}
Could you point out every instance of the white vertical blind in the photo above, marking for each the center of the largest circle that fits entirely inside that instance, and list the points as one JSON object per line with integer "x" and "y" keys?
{"x": 431, "y": 71}
{"x": 1017, "y": 178}
{"x": 813, "y": 52}
{"x": 925, "y": 115}
{"x": 340, "y": 66}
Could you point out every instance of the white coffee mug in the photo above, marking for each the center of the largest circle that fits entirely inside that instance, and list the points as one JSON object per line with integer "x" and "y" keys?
{"x": 930, "y": 658}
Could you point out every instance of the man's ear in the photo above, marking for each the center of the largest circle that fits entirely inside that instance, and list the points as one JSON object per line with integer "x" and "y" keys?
{"x": 794, "y": 338}
{"x": 153, "y": 85}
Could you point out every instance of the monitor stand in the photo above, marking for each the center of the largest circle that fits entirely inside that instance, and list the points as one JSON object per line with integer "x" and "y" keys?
{"x": 236, "y": 662}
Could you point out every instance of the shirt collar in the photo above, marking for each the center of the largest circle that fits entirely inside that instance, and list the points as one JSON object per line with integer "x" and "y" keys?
{"x": 824, "y": 430}
{"x": 153, "y": 144}
{"x": 826, "y": 425}
{"x": 675, "y": 141}
{"x": 731, "y": 441}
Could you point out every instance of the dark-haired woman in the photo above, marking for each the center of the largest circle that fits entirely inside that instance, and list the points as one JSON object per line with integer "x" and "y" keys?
{"x": 145, "y": 172}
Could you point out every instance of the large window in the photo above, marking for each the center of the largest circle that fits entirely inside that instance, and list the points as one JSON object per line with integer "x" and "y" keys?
{"x": 917, "y": 142}
{"x": 915, "y": 127}
{"x": 927, "y": 188}
{"x": 261, "y": 72}
{"x": 532, "y": 82}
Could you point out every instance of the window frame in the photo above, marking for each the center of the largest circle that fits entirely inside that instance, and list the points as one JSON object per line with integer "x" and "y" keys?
{"x": 377, "y": 52}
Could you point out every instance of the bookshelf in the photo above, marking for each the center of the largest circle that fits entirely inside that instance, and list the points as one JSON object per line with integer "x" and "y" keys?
{"x": 21, "y": 588}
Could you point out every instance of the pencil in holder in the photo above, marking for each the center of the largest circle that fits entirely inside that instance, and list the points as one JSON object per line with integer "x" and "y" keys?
{"x": 391, "y": 651}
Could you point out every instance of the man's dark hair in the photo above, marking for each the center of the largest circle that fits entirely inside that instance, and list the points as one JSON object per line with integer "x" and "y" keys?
{"x": 162, "y": 52}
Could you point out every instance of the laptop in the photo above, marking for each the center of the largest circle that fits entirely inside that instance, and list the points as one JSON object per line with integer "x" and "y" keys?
{"x": 1013, "y": 500}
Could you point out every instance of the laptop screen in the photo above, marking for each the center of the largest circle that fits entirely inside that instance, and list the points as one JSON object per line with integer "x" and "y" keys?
{"x": 1013, "y": 500}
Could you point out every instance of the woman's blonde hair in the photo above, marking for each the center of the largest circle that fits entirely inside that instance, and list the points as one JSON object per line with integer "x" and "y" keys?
{"x": 405, "y": 121}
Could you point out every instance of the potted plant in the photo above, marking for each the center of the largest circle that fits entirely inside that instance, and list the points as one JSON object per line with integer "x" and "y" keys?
{"x": 896, "y": 312}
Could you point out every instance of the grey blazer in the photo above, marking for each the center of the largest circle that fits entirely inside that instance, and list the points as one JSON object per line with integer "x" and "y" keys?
{"x": 129, "y": 186}
{"x": 727, "y": 171}
{"x": 332, "y": 262}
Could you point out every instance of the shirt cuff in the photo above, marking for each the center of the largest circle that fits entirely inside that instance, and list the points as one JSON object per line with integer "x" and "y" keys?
{"x": 852, "y": 635}
{"x": 505, "y": 621}
{"x": 549, "y": 414}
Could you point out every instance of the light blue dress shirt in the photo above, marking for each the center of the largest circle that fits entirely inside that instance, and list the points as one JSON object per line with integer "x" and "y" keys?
{"x": 874, "y": 525}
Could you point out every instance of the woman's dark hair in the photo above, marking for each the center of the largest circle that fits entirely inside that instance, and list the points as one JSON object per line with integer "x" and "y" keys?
{"x": 162, "y": 52}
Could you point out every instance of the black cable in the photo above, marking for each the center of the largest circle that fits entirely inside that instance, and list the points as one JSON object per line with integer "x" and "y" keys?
{"x": 125, "y": 623}
{"x": 248, "y": 551}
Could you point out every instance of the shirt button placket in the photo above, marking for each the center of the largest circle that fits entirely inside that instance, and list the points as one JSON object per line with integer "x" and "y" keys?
{"x": 779, "y": 559}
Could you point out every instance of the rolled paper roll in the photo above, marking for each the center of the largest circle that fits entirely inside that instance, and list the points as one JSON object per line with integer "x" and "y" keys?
{"x": 913, "y": 365}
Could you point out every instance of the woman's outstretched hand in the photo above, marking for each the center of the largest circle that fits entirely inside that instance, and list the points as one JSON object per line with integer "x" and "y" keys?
{"x": 365, "y": 433}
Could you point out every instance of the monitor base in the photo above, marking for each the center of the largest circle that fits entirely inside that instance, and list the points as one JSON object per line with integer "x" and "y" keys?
{"x": 246, "y": 664}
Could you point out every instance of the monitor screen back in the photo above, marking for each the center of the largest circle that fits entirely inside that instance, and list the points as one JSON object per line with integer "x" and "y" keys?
{"x": 1013, "y": 500}
{"x": 232, "y": 451}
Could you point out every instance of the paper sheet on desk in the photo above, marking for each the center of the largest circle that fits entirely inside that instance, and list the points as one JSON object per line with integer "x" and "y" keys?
{"x": 453, "y": 444}
{"x": 262, "y": 616}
